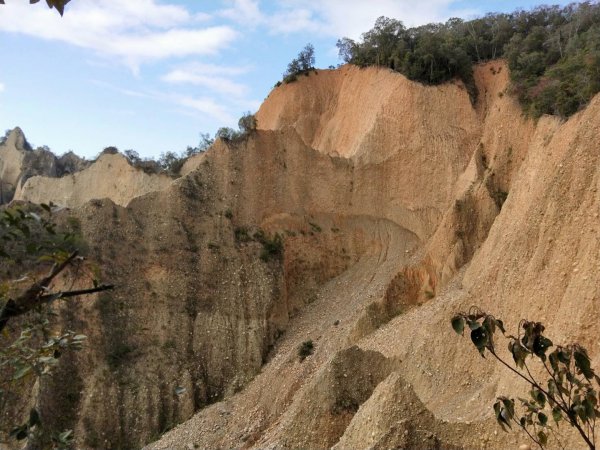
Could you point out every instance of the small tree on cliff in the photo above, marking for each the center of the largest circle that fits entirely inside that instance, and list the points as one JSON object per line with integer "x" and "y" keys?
{"x": 246, "y": 125}
{"x": 569, "y": 395}
{"x": 303, "y": 63}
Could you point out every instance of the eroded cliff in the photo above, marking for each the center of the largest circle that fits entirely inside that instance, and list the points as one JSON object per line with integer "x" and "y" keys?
{"x": 110, "y": 176}
{"x": 398, "y": 205}
{"x": 19, "y": 162}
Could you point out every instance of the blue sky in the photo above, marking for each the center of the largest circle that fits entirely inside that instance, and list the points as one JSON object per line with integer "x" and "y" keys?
{"x": 151, "y": 75}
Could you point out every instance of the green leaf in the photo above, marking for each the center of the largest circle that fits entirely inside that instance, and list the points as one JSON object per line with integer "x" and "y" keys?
{"x": 579, "y": 409}
{"x": 540, "y": 345}
{"x": 557, "y": 414}
{"x": 552, "y": 388}
{"x": 553, "y": 358}
{"x": 519, "y": 353}
{"x": 543, "y": 419}
{"x": 501, "y": 416}
{"x": 582, "y": 362}
{"x": 500, "y": 325}
{"x": 19, "y": 433}
{"x": 589, "y": 408}
{"x": 490, "y": 325}
{"x": 539, "y": 397}
{"x": 564, "y": 356}
{"x": 458, "y": 324}
{"x": 25, "y": 230}
{"x": 542, "y": 437}
{"x": 480, "y": 338}
{"x": 473, "y": 324}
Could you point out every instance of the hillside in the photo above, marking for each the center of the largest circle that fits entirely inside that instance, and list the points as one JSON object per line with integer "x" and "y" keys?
{"x": 399, "y": 204}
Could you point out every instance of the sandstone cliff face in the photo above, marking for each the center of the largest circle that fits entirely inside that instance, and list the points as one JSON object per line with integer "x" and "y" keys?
{"x": 399, "y": 204}
{"x": 19, "y": 162}
{"x": 513, "y": 227}
{"x": 110, "y": 176}
{"x": 12, "y": 152}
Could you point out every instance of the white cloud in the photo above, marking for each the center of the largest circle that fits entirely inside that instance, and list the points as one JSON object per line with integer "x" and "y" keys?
{"x": 245, "y": 12}
{"x": 353, "y": 17}
{"x": 2, "y": 87}
{"x": 338, "y": 18}
{"x": 135, "y": 31}
{"x": 127, "y": 92}
{"x": 215, "y": 69}
{"x": 216, "y": 78}
{"x": 207, "y": 106}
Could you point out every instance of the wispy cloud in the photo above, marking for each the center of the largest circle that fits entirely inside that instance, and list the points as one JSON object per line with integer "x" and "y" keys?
{"x": 353, "y": 17}
{"x": 135, "y": 31}
{"x": 224, "y": 112}
{"x": 207, "y": 106}
{"x": 338, "y": 18}
{"x": 127, "y": 92}
{"x": 2, "y": 87}
{"x": 213, "y": 77}
{"x": 244, "y": 12}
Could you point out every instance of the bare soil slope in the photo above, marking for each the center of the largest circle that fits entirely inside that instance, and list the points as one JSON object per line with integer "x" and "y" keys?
{"x": 515, "y": 229}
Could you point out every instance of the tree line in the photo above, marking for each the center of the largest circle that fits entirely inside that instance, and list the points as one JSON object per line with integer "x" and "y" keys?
{"x": 553, "y": 53}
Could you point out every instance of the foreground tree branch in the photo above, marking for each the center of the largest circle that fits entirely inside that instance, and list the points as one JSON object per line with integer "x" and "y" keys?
{"x": 36, "y": 295}
{"x": 570, "y": 394}
{"x": 58, "y": 4}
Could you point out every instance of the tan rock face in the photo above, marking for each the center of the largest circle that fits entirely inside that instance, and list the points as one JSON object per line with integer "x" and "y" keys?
{"x": 399, "y": 205}
{"x": 19, "y": 162}
{"x": 11, "y": 159}
{"x": 111, "y": 176}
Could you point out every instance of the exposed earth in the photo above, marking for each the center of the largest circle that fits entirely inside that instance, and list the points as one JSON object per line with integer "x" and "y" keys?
{"x": 398, "y": 205}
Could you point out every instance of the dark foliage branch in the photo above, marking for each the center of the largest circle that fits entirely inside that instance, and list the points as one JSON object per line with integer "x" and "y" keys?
{"x": 570, "y": 393}
{"x": 58, "y": 4}
{"x": 36, "y": 295}
{"x": 29, "y": 239}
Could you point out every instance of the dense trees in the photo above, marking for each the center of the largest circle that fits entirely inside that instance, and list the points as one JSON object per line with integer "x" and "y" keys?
{"x": 553, "y": 53}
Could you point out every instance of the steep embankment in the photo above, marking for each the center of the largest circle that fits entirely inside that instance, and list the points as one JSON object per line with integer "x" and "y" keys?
{"x": 506, "y": 219}
{"x": 399, "y": 204}
{"x": 110, "y": 176}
